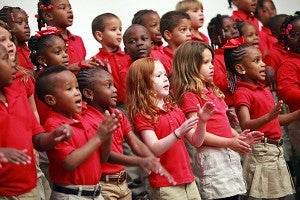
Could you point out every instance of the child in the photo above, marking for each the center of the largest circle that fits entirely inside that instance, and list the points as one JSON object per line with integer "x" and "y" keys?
{"x": 17, "y": 117}
{"x": 264, "y": 169}
{"x": 17, "y": 19}
{"x": 151, "y": 20}
{"x": 98, "y": 91}
{"x": 220, "y": 29}
{"x": 137, "y": 42}
{"x": 162, "y": 127}
{"x": 265, "y": 10}
{"x": 175, "y": 27}
{"x": 195, "y": 10}
{"x": 75, "y": 168}
{"x": 59, "y": 14}
{"x": 277, "y": 54}
{"x": 217, "y": 160}
{"x": 288, "y": 76}
{"x": 107, "y": 30}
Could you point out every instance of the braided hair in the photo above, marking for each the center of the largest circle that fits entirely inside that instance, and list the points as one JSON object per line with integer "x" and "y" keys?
{"x": 286, "y": 27}
{"x": 214, "y": 29}
{"x": 138, "y": 16}
{"x": 6, "y": 13}
{"x": 40, "y": 13}
{"x": 233, "y": 57}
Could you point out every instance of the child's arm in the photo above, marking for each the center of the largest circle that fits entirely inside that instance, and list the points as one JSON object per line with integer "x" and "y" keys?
{"x": 104, "y": 131}
{"x": 196, "y": 136}
{"x": 14, "y": 156}
{"x": 253, "y": 124}
{"x": 46, "y": 141}
{"x": 158, "y": 147}
{"x": 285, "y": 119}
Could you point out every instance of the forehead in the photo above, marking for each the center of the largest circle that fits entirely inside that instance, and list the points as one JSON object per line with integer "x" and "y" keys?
{"x": 112, "y": 21}
{"x": 252, "y": 51}
{"x": 136, "y": 30}
{"x": 4, "y": 31}
{"x": 248, "y": 28}
{"x": 55, "y": 40}
{"x": 296, "y": 24}
{"x": 227, "y": 21}
{"x": 183, "y": 22}
{"x": 59, "y": 2}
{"x": 63, "y": 77}
{"x": 158, "y": 67}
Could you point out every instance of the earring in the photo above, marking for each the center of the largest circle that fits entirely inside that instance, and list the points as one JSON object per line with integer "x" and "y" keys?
{"x": 243, "y": 72}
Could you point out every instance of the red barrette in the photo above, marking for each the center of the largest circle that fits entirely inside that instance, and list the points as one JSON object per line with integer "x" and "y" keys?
{"x": 48, "y": 31}
{"x": 287, "y": 30}
{"x": 45, "y": 8}
{"x": 234, "y": 43}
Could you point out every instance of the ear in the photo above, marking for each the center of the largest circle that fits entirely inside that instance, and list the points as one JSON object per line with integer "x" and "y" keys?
{"x": 50, "y": 99}
{"x": 87, "y": 93}
{"x": 240, "y": 68}
{"x": 47, "y": 16}
{"x": 125, "y": 50}
{"x": 167, "y": 34}
{"x": 98, "y": 35}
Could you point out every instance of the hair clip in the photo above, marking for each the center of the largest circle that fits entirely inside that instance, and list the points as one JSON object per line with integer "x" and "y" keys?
{"x": 50, "y": 30}
{"x": 46, "y": 8}
{"x": 287, "y": 30}
{"x": 37, "y": 16}
{"x": 234, "y": 43}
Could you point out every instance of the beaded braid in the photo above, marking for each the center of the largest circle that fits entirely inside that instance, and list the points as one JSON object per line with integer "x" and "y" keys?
{"x": 40, "y": 19}
{"x": 285, "y": 28}
{"x": 6, "y": 14}
{"x": 37, "y": 45}
{"x": 233, "y": 57}
{"x": 138, "y": 17}
{"x": 215, "y": 27}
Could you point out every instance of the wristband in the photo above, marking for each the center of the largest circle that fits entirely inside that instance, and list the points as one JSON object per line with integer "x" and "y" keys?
{"x": 176, "y": 135}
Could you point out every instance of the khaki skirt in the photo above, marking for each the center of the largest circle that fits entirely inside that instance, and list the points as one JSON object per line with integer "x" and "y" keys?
{"x": 266, "y": 173}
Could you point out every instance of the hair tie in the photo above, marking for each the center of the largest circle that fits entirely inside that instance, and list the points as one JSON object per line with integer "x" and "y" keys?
{"x": 46, "y": 8}
{"x": 287, "y": 30}
{"x": 50, "y": 30}
{"x": 234, "y": 43}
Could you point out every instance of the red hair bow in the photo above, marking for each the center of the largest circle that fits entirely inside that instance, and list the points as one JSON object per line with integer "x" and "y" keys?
{"x": 50, "y": 30}
{"x": 234, "y": 43}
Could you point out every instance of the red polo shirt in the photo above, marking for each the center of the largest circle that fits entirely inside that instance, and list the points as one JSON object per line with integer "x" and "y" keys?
{"x": 243, "y": 17}
{"x": 220, "y": 75}
{"x": 158, "y": 53}
{"x": 119, "y": 63}
{"x": 176, "y": 160}
{"x": 259, "y": 100}
{"x": 276, "y": 56}
{"x": 18, "y": 126}
{"x": 218, "y": 124}
{"x": 75, "y": 48}
{"x": 89, "y": 171}
{"x": 288, "y": 81}
{"x": 95, "y": 118}
{"x": 23, "y": 57}
{"x": 204, "y": 38}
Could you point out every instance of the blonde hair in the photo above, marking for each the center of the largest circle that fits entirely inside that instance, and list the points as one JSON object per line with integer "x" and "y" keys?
{"x": 141, "y": 96}
{"x": 186, "y": 71}
{"x": 186, "y": 5}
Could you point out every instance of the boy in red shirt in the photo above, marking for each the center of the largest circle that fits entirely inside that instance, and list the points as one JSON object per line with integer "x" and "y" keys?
{"x": 175, "y": 28}
{"x": 16, "y": 117}
{"x": 107, "y": 30}
{"x": 74, "y": 164}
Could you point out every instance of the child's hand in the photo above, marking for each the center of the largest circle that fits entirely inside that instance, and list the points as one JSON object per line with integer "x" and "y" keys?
{"x": 152, "y": 164}
{"x": 62, "y": 133}
{"x": 275, "y": 111}
{"x": 206, "y": 111}
{"x": 100, "y": 63}
{"x": 233, "y": 119}
{"x": 3, "y": 159}
{"x": 237, "y": 144}
{"x": 15, "y": 156}
{"x": 252, "y": 137}
{"x": 186, "y": 126}
{"x": 110, "y": 123}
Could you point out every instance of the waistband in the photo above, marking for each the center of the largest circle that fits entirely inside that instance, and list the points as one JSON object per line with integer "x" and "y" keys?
{"x": 79, "y": 191}
{"x": 118, "y": 178}
{"x": 278, "y": 142}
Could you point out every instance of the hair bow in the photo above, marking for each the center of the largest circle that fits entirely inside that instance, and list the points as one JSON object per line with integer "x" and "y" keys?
{"x": 50, "y": 30}
{"x": 287, "y": 30}
{"x": 234, "y": 43}
{"x": 46, "y": 8}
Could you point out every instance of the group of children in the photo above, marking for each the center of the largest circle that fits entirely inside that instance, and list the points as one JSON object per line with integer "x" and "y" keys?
{"x": 187, "y": 110}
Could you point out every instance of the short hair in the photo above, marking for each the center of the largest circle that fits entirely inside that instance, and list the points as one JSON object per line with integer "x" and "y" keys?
{"x": 186, "y": 5}
{"x": 170, "y": 20}
{"x": 45, "y": 83}
{"x": 98, "y": 23}
{"x": 125, "y": 35}
{"x": 138, "y": 16}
